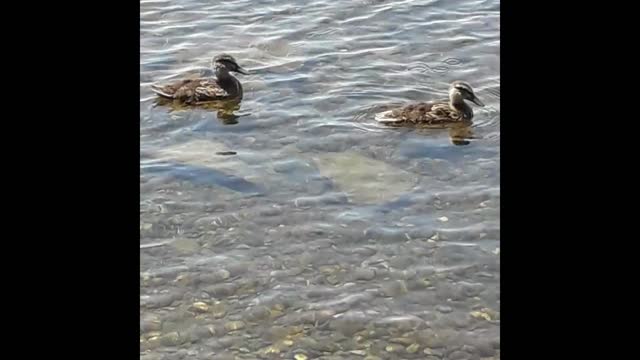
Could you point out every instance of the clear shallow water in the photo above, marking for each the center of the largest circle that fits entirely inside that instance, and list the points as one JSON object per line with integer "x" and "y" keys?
{"x": 326, "y": 235}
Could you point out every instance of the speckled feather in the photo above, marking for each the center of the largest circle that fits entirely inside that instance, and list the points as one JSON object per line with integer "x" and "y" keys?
{"x": 427, "y": 113}
{"x": 193, "y": 91}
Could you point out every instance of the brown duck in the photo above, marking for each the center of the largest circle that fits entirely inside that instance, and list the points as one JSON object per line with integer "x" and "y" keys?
{"x": 194, "y": 91}
{"x": 437, "y": 113}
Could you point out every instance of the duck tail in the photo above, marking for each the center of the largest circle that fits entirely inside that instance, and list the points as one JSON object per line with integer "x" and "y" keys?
{"x": 386, "y": 118}
{"x": 161, "y": 91}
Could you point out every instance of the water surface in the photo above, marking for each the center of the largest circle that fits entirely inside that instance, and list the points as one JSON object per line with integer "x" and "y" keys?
{"x": 325, "y": 236}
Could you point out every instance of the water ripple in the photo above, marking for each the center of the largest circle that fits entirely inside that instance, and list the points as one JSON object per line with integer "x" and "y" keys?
{"x": 321, "y": 218}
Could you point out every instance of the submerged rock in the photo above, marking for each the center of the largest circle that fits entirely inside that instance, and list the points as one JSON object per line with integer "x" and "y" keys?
{"x": 364, "y": 179}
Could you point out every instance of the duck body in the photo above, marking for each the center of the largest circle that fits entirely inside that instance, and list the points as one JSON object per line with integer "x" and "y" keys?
{"x": 435, "y": 113}
{"x": 194, "y": 91}
{"x": 425, "y": 113}
{"x": 223, "y": 86}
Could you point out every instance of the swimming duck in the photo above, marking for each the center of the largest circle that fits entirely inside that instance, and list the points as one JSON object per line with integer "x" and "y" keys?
{"x": 193, "y": 91}
{"x": 436, "y": 113}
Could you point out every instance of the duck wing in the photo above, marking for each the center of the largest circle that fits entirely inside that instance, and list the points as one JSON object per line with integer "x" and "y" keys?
{"x": 169, "y": 90}
{"x": 426, "y": 113}
{"x": 192, "y": 90}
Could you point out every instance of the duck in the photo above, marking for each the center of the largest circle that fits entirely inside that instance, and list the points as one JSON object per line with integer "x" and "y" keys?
{"x": 435, "y": 113}
{"x": 223, "y": 86}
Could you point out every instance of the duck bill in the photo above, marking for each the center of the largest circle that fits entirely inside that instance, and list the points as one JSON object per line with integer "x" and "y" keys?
{"x": 477, "y": 101}
{"x": 242, "y": 70}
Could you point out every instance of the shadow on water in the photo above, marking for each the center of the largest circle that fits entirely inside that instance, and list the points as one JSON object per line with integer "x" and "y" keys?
{"x": 200, "y": 175}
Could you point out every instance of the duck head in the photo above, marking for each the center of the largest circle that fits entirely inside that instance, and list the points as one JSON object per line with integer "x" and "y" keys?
{"x": 226, "y": 63}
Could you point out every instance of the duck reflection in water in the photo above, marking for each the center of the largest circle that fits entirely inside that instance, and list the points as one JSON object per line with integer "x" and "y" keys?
{"x": 226, "y": 109}
{"x": 459, "y": 134}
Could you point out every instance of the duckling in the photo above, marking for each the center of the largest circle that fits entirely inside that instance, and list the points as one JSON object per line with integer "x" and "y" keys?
{"x": 437, "y": 113}
{"x": 194, "y": 91}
